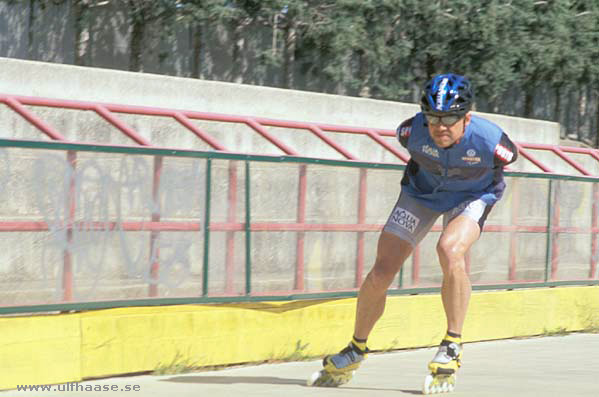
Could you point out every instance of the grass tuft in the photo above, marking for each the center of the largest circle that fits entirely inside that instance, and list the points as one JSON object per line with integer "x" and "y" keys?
{"x": 179, "y": 365}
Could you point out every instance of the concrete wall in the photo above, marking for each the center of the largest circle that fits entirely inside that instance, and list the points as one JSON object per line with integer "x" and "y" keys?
{"x": 91, "y": 84}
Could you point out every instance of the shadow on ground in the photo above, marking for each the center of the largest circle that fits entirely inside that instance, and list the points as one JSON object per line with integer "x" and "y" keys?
{"x": 267, "y": 380}
{"x": 228, "y": 380}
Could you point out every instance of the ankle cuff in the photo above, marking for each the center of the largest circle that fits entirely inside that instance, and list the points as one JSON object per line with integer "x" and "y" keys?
{"x": 358, "y": 349}
{"x": 359, "y": 345}
{"x": 453, "y": 337}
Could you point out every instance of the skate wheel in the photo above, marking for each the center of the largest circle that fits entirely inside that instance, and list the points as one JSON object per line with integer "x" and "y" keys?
{"x": 453, "y": 381}
{"x": 313, "y": 378}
{"x": 427, "y": 387}
{"x": 434, "y": 384}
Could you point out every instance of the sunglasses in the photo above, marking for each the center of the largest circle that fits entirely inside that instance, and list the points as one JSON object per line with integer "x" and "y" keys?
{"x": 448, "y": 120}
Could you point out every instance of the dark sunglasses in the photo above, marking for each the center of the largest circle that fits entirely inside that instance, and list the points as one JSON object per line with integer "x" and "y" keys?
{"x": 448, "y": 120}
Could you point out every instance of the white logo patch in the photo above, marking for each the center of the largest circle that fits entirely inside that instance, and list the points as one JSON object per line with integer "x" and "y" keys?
{"x": 476, "y": 208}
{"x": 471, "y": 152}
{"x": 430, "y": 151}
{"x": 405, "y": 219}
{"x": 405, "y": 131}
{"x": 441, "y": 93}
{"x": 473, "y": 209}
{"x": 503, "y": 153}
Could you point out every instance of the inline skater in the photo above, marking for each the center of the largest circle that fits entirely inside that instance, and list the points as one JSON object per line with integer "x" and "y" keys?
{"x": 455, "y": 170}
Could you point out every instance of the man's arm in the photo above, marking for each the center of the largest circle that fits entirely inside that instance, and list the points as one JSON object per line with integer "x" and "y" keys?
{"x": 506, "y": 151}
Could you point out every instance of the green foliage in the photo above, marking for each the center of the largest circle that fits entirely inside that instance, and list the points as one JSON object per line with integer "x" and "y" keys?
{"x": 178, "y": 365}
{"x": 299, "y": 354}
{"x": 515, "y": 51}
{"x": 559, "y": 331}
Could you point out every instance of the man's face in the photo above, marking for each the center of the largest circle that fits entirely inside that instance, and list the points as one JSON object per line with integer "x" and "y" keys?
{"x": 446, "y": 135}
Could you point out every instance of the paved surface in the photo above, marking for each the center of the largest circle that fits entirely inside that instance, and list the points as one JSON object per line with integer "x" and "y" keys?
{"x": 564, "y": 366}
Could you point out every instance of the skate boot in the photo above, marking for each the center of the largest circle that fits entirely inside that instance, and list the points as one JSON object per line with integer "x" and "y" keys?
{"x": 339, "y": 368}
{"x": 443, "y": 367}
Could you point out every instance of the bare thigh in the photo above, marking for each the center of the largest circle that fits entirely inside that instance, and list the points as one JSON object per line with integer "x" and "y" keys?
{"x": 392, "y": 251}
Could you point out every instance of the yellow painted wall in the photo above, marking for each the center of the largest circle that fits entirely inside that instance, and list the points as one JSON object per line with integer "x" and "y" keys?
{"x": 39, "y": 350}
{"x": 71, "y": 347}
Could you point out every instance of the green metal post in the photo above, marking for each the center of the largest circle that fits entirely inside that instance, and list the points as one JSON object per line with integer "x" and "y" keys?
{"x": 248, "y": 245}
{"x": 207, "y": 227}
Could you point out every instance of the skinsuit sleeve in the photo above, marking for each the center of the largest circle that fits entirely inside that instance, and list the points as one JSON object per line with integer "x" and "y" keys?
{"x": 506, "y": 152}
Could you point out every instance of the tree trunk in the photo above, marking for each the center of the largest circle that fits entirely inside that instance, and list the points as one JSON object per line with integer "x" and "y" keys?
{"x": 31, "y": 30}
{"x": 557, "y": 107}
{"x": 363, "y": 75}
{"x": 588, "y": 111}
{"x": 275, "y": 31}
{"x": 341, "y": 86}
{"x": 581, "y": 109}
{"x": 529, "y": 101}
{"x": 196, "y": 61}
{"x": 568, "y": 122}
{"x": 596, "y": 127}
{"x": 237, "y": 54}
{"x": 82, "y": 34}
{"x": 138, "y": 22}
{"x": 135, "y": 62}
{"x": 430, "y": 68}
{"x": 290, "y": 38}
{"x": 557, "y": 103}
{"x": 594, "y": 116}
{"x": 575, "y": 115}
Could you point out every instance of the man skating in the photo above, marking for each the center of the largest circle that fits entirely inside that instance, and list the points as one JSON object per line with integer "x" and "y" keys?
{"x": 455, "y": 170}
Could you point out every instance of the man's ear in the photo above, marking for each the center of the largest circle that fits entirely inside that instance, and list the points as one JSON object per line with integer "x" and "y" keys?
{"x": 467, "y": 118}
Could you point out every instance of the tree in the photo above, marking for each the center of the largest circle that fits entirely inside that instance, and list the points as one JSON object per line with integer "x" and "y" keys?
{"x": 546, "y": 29}
{"x": 483, "y": 46}
{"x": 533, "y": 58}
{"x": 141, "y": 13}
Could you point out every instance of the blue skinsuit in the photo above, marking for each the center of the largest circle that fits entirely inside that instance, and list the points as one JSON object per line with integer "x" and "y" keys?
{"x": 442, "y": 179}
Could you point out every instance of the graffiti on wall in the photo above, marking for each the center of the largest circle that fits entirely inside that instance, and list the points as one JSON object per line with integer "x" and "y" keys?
{"x": 99, "y": 215}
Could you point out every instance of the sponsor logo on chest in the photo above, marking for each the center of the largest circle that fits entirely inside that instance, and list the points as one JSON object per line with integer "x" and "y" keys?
{"x": 431, "y": 151}
{"x": 471, "y": 157}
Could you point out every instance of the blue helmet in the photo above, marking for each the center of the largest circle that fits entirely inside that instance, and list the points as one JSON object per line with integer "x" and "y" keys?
{"x": 447, "y": 93}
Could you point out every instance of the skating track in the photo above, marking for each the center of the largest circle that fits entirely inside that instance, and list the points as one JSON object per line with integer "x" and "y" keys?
{"x": 545, "y": 366}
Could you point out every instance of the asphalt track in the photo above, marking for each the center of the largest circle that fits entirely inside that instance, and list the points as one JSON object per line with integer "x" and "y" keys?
{"x": 565, "y": 366}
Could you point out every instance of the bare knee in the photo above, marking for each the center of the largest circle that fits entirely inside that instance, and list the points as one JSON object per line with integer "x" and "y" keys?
{"x": 451, "y": 256}
{"x": 392, "y": 251}
{"x": 384, "y": 271}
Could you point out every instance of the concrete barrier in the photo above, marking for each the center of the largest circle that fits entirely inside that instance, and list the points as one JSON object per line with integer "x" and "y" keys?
{"x": 50, "y": 80}
{"x": 71, "y": 347}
